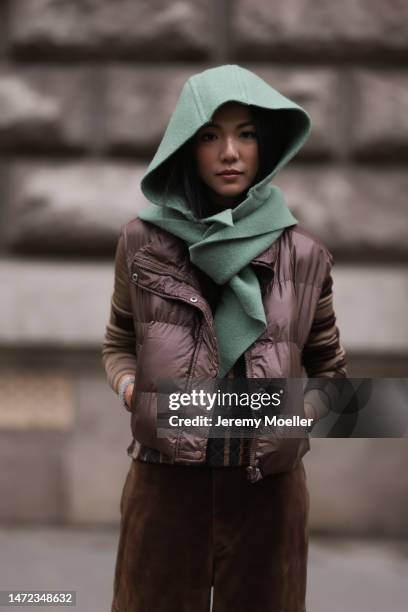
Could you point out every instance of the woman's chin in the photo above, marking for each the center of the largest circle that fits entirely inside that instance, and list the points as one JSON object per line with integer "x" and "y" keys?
{"x": 230, "y": 193}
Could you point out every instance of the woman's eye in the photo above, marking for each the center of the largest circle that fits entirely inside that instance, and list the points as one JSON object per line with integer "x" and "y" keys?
{"x": 207, "y": 136}
{"x": 249, "y": 134}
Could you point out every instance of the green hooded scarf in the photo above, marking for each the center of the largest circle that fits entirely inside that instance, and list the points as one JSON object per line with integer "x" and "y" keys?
{"x": 223, "y": 244}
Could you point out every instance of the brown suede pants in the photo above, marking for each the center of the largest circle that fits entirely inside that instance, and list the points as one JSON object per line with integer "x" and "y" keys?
{"x": 184, "y": 529}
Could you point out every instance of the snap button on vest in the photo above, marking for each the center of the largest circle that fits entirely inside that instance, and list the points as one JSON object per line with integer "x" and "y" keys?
{"x": 134, "y": 276}
{"x": 193, "y": 299}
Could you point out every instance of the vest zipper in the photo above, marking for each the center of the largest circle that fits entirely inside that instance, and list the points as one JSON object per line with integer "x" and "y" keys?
{"x": 253, "y": 471}
{"x": 198, "y": 339}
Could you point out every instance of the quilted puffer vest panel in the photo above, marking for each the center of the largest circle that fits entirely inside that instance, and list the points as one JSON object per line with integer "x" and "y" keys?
{"x": 175, "y": 333}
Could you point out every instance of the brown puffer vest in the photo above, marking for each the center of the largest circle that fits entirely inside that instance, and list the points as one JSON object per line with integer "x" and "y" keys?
{"x": 176, "y": 339}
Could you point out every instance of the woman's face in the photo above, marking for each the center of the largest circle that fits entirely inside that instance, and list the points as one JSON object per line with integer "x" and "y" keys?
{"x": 228, "y": 142}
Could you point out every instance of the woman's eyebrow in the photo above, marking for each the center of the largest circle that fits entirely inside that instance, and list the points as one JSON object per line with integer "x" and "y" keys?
{"x": 240, "y": 125}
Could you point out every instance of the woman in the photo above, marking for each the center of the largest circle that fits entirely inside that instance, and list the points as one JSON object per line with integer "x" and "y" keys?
{"x": 216, "y": 279}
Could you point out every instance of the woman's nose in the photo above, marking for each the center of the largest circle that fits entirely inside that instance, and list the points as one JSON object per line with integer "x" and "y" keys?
{"x": 229, "y": 150}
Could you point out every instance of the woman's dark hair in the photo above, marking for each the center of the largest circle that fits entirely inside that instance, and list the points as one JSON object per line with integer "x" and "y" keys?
{"x": 180, "y": 172}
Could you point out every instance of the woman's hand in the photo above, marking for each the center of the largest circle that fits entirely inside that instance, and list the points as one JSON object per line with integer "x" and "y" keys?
{"x": 128, "y": 393}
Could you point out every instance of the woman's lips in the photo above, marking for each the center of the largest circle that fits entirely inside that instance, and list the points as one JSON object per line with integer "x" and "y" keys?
{"x": 230, "y": 171}
{"x": 230, "y": 176}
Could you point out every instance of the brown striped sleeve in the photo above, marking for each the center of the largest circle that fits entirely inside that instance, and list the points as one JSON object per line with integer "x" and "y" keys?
{"x": 118, "y": 348}
{"x": 323, "y": 354}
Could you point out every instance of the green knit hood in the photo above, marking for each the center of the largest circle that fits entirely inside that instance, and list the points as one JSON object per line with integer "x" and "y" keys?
{"x": 223, "y": 244}
{"x": 201, "y": 96}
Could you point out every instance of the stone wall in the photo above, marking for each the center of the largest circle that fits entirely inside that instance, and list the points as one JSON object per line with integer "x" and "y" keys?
{"x": 86, "y": 90}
